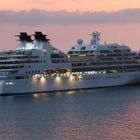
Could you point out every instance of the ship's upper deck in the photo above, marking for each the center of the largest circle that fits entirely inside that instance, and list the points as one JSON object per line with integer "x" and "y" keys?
{"x": 32, "y": 56}
{"x": 96, "y": 46}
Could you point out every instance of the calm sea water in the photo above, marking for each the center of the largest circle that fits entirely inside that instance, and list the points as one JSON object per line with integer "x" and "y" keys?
{"x": 101, "y": 114}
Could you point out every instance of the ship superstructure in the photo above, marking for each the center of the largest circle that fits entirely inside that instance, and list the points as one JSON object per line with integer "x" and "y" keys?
{"x": 31, "y": 58}
{"x": 37, "y": 66}
{"x": 103, "y": 58}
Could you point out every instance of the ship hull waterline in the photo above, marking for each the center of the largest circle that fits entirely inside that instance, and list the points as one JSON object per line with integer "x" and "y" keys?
{"x": 56, "y": 83}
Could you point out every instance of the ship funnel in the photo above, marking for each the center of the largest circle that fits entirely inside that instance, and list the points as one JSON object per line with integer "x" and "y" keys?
{"x": 40, "y": 37}
{"x": 24, "y": 37}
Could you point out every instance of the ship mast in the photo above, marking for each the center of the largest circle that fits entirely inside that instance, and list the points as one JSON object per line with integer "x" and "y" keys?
{"x": 95, "y": 40}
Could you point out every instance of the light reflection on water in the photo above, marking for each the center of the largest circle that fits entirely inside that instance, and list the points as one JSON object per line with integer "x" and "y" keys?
{"x": 99, "y": 114}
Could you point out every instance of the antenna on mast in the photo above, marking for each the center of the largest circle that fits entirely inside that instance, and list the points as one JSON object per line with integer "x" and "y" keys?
{"x": 95, "y": 40}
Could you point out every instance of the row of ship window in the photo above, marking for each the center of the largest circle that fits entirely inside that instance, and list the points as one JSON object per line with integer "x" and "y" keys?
{"x": 101, "y": 51}
{"x": 11, "y": 67}
{"x": 9, "y": 72}
{"x": 32, "y": 72}
{"x": 58, "y": 55}
{"x": 117, "y": 54}
{"x": 18, "y": 62}
{"x": 13, "y": 78}
{"x": 119, "y": 58}
{"x": 15, "y": 53}
{"x": 111, "y": 52}
{"x": 17, "y": 57}
{"x": 74, "y": 79}
{"x": 114, "y": 51}
{"x": 91, "y": 78}
{"x": 60, "y": 61}
{"x": 103, "y": 63}
{"x": 108, "y": 67}
{"x": 80, "y": 52}
{"x": 112, "y": 59}
{"x": 119, "y": 69}
{"x": 78, "y": 58}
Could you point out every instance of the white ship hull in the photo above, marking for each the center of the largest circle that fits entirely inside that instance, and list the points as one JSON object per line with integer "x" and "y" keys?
{"x": 55, "y": 83}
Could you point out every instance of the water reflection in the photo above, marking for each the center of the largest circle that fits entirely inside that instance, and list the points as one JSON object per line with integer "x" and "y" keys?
{"x": 99, "y": 114}
{"x": 40, "y": 96}
{"x": 71, "y": 93}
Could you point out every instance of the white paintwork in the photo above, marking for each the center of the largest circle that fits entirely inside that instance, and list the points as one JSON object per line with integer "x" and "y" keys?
{"x": 95, "y": 45}
{"x": 55, "y": 83}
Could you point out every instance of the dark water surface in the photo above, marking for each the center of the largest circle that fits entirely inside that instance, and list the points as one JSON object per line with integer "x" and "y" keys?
{"x": 101, "y": 114}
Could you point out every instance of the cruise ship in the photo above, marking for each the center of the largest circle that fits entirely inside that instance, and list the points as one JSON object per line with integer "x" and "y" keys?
{"x": 36, "y": 66}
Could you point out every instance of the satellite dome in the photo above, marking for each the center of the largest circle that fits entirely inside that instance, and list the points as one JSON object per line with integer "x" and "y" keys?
{"x": 80, "y": 41}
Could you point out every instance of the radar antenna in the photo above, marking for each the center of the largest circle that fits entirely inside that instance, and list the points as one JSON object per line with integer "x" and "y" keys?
{"x": 95, "y": 40}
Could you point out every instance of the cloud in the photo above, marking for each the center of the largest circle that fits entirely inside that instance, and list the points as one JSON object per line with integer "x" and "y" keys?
{"x": 41, "y": 17}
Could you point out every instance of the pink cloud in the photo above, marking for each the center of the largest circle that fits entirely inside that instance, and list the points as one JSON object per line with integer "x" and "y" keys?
{"x": 39, "y": 17}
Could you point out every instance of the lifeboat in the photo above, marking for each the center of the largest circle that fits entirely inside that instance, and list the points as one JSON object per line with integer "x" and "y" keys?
{"x": 63, "y": 70}
{"x": 50, "y": 71}
{"x": 74, "y": 74}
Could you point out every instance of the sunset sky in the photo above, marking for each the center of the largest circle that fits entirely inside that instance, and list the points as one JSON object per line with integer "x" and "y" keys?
{"x": 67, "y": 20}
{"x": 69, "y": 5}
